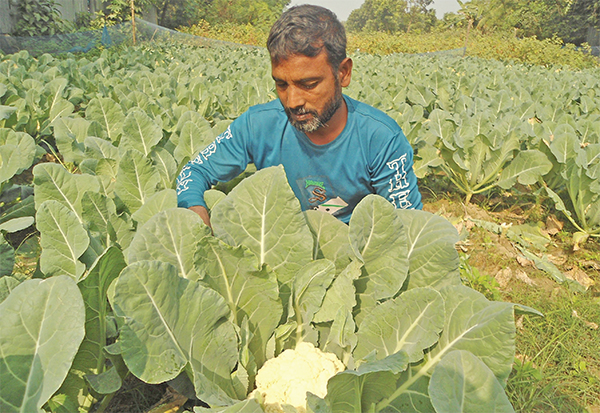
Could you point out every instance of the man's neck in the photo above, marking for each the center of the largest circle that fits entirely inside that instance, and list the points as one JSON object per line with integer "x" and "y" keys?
{"x": 333, "y": 129}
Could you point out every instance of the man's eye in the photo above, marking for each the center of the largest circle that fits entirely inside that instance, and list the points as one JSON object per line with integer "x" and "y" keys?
{"x": 310, "y": 85}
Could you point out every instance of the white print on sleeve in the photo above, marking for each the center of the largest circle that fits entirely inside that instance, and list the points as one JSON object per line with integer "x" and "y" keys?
{"x": 225, "y": 135}
{"x": 399, "y": 180}
{"x": 400, "y": 200}
{"x": 183, "y": 180}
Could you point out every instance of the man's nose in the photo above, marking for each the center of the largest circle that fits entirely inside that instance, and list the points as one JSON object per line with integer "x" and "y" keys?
{"x": 295, "y": 98}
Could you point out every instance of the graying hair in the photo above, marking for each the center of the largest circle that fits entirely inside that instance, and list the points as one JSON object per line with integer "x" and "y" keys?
{"x": 306, "y": 30}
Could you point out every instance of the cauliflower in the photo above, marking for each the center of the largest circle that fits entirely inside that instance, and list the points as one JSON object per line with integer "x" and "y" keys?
{"x": 286, "y": 378}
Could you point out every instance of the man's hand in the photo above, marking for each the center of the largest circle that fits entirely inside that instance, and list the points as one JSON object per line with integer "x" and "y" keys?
{"x": 200, "y": 210}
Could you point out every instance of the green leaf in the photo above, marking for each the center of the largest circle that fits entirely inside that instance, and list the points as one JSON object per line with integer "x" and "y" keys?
{"x": 194, "y": 137}
{"x": 160, "y": 201}
{"x": 331, "y": 238}
{"x": 105, "y": 383}
{"x": 420, "y": 95}
{"x": 168, "y": 322}
{"x": 63, "y": 240}
{"x": 379, "y": 237}
{"x": 140, "y": 132}
{"x": 341, "y": 294}
{"x": 17, "y": 224}
{"x": 212, "y": 197}
{"x": 7, "y": 257}
{"x": 60, "y": 108}
{"x": 308, "y": 291}
{"x": 54, "y": 182}
{"x": 249, "y": 292}
{"x": 527, "y": 167}
{"x": 463, "y": 383}
{"x": 98, "y": 148}
{"x": 106, "y": 171}
{"x": 433, "y": 260}
{"x": 411, "y": 323}
{"x": 25, "y": 208}
{"x": 415, "y": 398}
{"x": 97, "y": 210}
{"x": 90, "y": 359}
{"x": 7, "y": 283}
{"x": 245, "y": 406}
{"x": 263, "y": 214}
{"x": 121, "y": 230}
{"x": 6, "y": 111}
{"x": 558, "y": 203}
{"x": 137, "y": 180}
{"x": 340, "y": 338}
{"x": 166, "y": 166}
{"x": 17, "y": 152}
{"x": 548, "y": 267}
{"x": 107, "y": 113}
{"x": 426, "y": 158}
{"x": 170, "y": 236}
{"x": 564, "y": 144}
{"x": 70, "y": 134}
{"x": 358, "y": 391}
{"x": 56, "y": 104}
{"x": 41, "y": 327}
{"x": 471, "y": 321}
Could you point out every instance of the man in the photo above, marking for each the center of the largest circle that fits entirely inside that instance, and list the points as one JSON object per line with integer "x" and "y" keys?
{"x": 335, "y": 150}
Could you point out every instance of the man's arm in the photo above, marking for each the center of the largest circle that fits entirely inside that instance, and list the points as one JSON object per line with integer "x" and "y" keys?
{"x": 225, "y": 158}
{"x": 203, "y": 212}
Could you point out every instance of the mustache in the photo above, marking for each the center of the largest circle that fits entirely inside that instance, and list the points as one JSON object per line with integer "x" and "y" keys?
{"x": 302, "y": 111}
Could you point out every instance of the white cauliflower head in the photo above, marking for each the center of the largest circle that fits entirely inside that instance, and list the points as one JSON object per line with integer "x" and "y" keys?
{"x": 286, "y": 378}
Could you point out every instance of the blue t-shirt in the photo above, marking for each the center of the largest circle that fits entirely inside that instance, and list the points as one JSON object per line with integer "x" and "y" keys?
{"x": 370, "y": 156}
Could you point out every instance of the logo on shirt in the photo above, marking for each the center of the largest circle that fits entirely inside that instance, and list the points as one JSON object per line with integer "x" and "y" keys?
{"x": 310, "y": 182}
{"x": 332, "y": 206}
{"x": 317, "y": 191}
{"x": 318, "y": 198}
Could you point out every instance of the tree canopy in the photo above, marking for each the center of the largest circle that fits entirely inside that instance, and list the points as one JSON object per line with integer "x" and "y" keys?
{"x": 175, "y": 13}
{"x": 569, "y": 20}
{"x": 392, "y": 16}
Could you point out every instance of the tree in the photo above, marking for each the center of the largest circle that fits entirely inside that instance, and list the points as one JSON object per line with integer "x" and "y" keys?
{"x": 255, "y": 12}
{"x": 392, "y": 16}
{"x": 420, "y": 18}
{"x": 567, "y": 19}
{"x": 176, "y": 13}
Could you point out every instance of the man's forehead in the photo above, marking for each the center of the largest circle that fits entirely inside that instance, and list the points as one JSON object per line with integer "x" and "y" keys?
{"x": 275, "y": 60}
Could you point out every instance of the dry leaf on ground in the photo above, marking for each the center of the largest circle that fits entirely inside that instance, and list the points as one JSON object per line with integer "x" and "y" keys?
{"x": 522, "y": 276}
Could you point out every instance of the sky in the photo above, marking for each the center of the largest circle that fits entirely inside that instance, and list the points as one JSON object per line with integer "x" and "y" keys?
{"x": 342, "y": 8}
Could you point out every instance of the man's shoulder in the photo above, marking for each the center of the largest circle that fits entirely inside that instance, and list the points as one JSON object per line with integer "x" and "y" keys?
{"x": 272, "y": 109}
{"x": 367, "y": 116}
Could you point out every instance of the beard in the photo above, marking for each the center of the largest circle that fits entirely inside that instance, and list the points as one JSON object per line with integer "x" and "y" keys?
{"x": 317, "y": 120}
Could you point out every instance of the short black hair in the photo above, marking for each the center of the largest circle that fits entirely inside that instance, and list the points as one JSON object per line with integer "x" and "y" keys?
{"x": 306, "y": 30}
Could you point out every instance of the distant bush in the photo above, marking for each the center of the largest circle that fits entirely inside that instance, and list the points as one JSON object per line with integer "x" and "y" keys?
{"x": 230, "y": 32}
{"x": 498, "y": 46}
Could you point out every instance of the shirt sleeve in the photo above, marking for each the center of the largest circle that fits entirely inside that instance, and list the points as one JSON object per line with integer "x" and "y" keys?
{"x": 225, "y": 158}
{"x": 392, "y": 174}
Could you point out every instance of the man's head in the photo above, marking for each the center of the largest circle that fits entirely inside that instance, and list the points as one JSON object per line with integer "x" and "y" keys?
{"x": 309, "y": 65}
{"x": 307, "y": 30}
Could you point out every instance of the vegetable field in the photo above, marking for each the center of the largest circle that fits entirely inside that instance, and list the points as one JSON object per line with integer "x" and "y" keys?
{"x": 103, "y": 278}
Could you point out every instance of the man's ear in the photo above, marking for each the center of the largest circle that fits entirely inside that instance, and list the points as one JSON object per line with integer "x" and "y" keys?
{"x": 345, "y": 72}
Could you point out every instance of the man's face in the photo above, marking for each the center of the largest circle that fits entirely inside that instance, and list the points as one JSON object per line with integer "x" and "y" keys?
{"x": 308, "y": 89}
